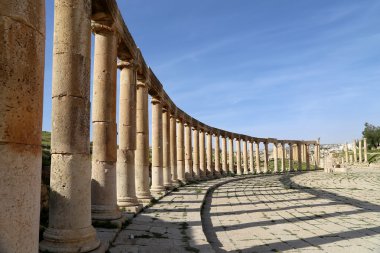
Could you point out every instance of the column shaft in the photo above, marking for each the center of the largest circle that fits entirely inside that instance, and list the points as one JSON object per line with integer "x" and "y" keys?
{"x": 266, "y": 157}
{"x": 210, "y": 168}
{"x": 251, "y": 163}
{"x": 360, "y": 151}
{"x": 188, "y": 153}
{"x": 245, "y": 157}
{"x": 307, "y": 153}
{"x": 197, "y": 173}
{"x": 275, "y": 156}
{"x": 346, "y": 152}
{"x": 166, "y": 148}
{"x": 202, "y": 152}
{"x": 291, "y": 168}
{"x": 365, "y": 150}
{"x": 224, "y": 155}
{"x": 283, "y": 157}
{"x": 180, "y": 152}
{"x": 238, "y": 157}
{"x": 231, "y": 155}
{"x": 354, "y": 149}
{"x": 299, "y": 155}
{"x": 173, "y": 148}
{"x": 217, "y": 157}
{"x": 257, "y": 152}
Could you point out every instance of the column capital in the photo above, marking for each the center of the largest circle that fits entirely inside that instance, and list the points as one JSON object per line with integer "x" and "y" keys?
{"x": 129, "y": 64}
{"x": 156, "y": 100}
{"x": 143, "y": 82}
{"x": 102, "y": 27}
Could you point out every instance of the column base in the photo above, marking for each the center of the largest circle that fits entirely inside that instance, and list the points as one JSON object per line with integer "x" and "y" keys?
{"x": 105, "y": 213}
{"x": 73, "y": 240}
{"x": 127, "y": 202}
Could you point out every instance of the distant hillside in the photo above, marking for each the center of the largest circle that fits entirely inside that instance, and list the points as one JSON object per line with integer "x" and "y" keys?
{"x": 45, "y": 143}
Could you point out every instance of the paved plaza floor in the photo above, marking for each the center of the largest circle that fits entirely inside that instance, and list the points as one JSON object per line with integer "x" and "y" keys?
{"x": 307, "y": 212}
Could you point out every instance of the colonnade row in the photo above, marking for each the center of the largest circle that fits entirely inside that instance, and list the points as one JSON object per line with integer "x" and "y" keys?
{"x": 115, "y": 177}
{"x": 359, "y": 152}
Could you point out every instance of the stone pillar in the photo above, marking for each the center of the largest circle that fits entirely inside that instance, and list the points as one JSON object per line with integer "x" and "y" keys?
{"x": 224, "y": 155}
{"x": 275, "y": 158}
{"x": 210, "y": 168}
{"x": 257, "y": 150}
{"x": 217, "y": 157}
{"x": 283, "y": 157}
{"x": 167, "y": 177}
{"x": 22, "y": 50}
{"x": 125, "y": 166}
{"x": 351, "y": 159}
{"x": 318, "y": 153}
{"x": 245, "y": 157}
{"x": 266, "y": 163}
{"x": 70, "y": 228}
{"x": 307, "y": 153}
{"x": 238, "y": 157}
{"x": 142, "y": 143}
{"x": 291, "y": 168}
{"x": 251, "y": 166}
{"x": 157, "y": 187}
{"x": 360, "y": 152}
{"x": 202, "y": 152}
{"x": 188, "y": 153}
{"x": 197, "y": 173}
{"x": 231, "y": 155}
{"x": 365, "y": 150}
{"x": 173, "y": 149}
{"x": 104, "y": 150}
{"x": 354, "y": 149}
{"x": 299, "y": 155}
{"x": 180, "y": 152}
{"x": 346, "y": 152}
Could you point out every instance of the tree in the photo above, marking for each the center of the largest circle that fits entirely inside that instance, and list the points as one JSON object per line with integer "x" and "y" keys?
{"x": 372, "y": 133}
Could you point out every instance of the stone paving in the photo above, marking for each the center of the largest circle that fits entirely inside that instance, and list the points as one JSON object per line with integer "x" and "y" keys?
{"x": 308, "y": 212}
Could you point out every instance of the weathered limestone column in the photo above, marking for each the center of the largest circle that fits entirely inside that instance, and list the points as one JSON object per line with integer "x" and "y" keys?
{"x": 224, "y": 155}
{"x": 283, "y": 157}
{"x": 202, "y": 153}
{"x": 142, "y": 143}
{"x": 360, "y": 152}
{"x": 307, "y": 153}
{"x": 291, "y": 168}
{"x": 318, "y": 153}
{"x": 257, "y": 150}
{"x": 365, "y": 150}
{"x": 22, "y": 56}
{"x": 70, "y": 228}
{"x": 299, "y": 155}
{"x": 245, "y": 157}
{"x": 210, "y": 168}
{"x": 125, "y": 165}
{"x": 231, "y": 154}
{"x": 166, "y": 148}
{"x": 173, "y": 149}
{"x": 180, "y": 152}
{"x": 197, "y": 173}
{"x": 188, "y": 153}
{"x": 251, "y": 166}
{"x": 346, "y": 152}
{"x": 275, "y": 158}
{"x": 157, "y": 187}
{"x": 266, "y": 157}
{"x": 354, "y": 149}
{"x": 238, "y": 157}
{"x": 103, "y": 184}
{"x": 217, "y": 157}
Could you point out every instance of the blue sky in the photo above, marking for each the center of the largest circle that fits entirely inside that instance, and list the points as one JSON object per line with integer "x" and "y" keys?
{"x": 276, "y": 68}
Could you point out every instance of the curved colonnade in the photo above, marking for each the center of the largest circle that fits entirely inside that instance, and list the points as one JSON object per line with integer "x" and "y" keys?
{"x": 98, "y": 187}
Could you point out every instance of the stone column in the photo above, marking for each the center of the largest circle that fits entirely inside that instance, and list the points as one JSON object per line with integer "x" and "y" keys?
{"x": 202, "y": 153}
{"x": 307, "y": 153}
{"x": 257, "y": 150}
{"x": 299, "y": 155}
{"x": 125, "y": 166}
{"x": 291, "y": 168}
{"x": 238, "y": 157}
{"x": 70, "y": 228}
{"x": 283, "y": 157}
{"x": 365, "y": 150}
{"x": 266, "y": 157}
{"x": 173, "y": 149}
{"x": 346, "y": 152}
{"x": 231, "y": 155}
{"x": 197, "y": 173}
{"x": 275, "y": 157}
{"x": 142, "y": 143}
{"x": 217, "y": 157}
{"x": 180, "y": 152}
{"x": 360, "y": 152}
{"x": 245, "y": 157}
{"x": 251, "y": 166}
{"x": 104, "y": 150}
{"x": 188, "y": 153}
{"x": 22, "y": 51}
{"x": 224, "y": 155}
{"x": 157, "y": 187}
{"x": 354, "y": 149}
{"x": 167, "y": 177}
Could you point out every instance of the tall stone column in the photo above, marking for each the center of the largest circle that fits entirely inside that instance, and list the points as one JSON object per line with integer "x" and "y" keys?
{"x": 142, "y": 143}
{"x": 188, "y": 153}
{"x": 180, "y": 152}
{"x": 346, "y": 152}
{"x": 104, "y": 150}
{"x": 318, "y": 153}
{"x": 224, "y": 155}
{"x": 157, "y": 187}
{"x": 365, "y": 150}
{"x": 354, "y": 149}
{"x": 231, "y": 155}
{"x": 210, "y": 168}
{"x": 173, "y": 149}
{"x": 257, "y": 150}
{"x": 275, "y": 158}
{"x": 70, "y": 228}
{"x": 217, "y": 157}
{"x": 266, "y": 163}
{"x": 360, "y": 152}
{"x": 251, "y": 166}
{"x": 299, "y": 155}
{"x": 283, "y": 157}
{"x": 197, "y": 172}
{"x": 202, "y": 153}
{"x": 245, "y": 157}
{"x": 239, "y": 171}
{"x": 125, "y": 166}
{"x": 291, "y": 168}
{"x": 307, "y": 153}
{"x": 22, "y": 56}
{"x": 167, "y": 177}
